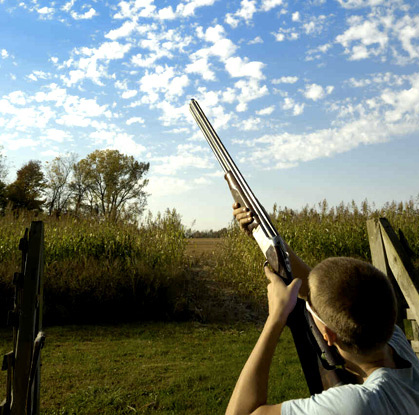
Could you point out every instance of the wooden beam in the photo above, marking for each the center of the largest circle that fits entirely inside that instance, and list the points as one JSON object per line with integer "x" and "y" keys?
{"x": 380, "y": 261}
{"x": 378, "y": 255}
{"x": 401, "y": 267}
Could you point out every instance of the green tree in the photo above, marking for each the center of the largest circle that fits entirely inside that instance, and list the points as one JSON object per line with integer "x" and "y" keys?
{"x": 26, "y": 191}
{"x": 111, "y": 183}
{"x": 58, "y": 174}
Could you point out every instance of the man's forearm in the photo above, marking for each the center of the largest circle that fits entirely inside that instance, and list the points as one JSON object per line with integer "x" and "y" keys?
{"x": 251, "y": 390}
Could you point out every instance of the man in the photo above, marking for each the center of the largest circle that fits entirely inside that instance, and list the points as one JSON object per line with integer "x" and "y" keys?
{"x": 353, "y": 306}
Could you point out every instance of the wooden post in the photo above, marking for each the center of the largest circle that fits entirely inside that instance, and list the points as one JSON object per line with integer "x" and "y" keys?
{"x": 380, "y": 261}
{"x": 30, "y": 323}
{"x": 390, "y": 257}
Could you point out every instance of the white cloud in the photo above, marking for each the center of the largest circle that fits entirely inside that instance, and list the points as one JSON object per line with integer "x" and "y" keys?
{"x": 50, "y": 153}
{"x": 14, "y": 143}
{"x": 252, "y": 123}
{"x": 46, "y": 12}
{"x": 4, "y": 54}
{"x": 79, "y": 112}
{"x": 285, "y": 80}
{"x": 270, "y": 4}
{"x": 202, "y": 67}
{"x": 167, "y": 13}
{"x": 126, "y": 145}
{"x": 266, "y": 111}
{"x": 249, "y": 90}
{"x": 238, "y": 67}
{"x": 162, "y": 80}
{"x": 53, "y": 134}
{"x": 316, "y": 53}
{"x": 290, "y": 104}
{"x": 317, "y": 92}
{"x": 134, "y": 10}
{"x": 93, "y": 62}
{"x": 84, "y": 16}
{"x": 67, "y": 6}
{"x": 16, "y": 98}
{"x": 125, "y": 30}
{"x": 137, "y": 120}
{"x": 188, "y": 8}
{"x": 395, "y": 113}
{"x": 187, "y": 156}
{"x": 255, "y": 41}
{"x": 315, "y": 25}
{"x": 288, "y": 34}
{"x": 160, "y": 186}
{"x": 248, "y": 8}
{"x": 129, "y": 94}
{"x": 36, "y": 75}
{"x": 363, "y": 38}
{"x": 295, "y": 17}
{"x": 407, "y": 31}
{"x": 355, "y": 4}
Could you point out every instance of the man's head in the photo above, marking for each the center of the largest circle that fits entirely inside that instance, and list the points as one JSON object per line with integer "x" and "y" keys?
{"x": 355, "y": 300}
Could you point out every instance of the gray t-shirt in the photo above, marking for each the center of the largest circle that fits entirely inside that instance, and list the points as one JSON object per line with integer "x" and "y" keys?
{"x": 385, "y": 391}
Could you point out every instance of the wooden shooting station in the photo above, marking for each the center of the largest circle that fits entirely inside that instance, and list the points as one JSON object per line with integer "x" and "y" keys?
{"x": 390, "y": 254}
{"x": 24, "y": 361}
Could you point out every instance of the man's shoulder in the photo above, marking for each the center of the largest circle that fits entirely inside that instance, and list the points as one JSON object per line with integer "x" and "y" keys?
{"x": 345, "y": 399}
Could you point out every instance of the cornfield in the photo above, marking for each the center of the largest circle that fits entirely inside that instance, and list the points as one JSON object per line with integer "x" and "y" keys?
{"x": 101, "y": 270}
{"x": 314, "y": 234}
{"x": 98, "y": 270}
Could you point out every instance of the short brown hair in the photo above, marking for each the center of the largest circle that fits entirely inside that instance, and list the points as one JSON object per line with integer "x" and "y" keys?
{"x": 355, "y": 300}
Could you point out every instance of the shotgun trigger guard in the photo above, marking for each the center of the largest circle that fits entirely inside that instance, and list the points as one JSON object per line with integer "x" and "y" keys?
{"x": 275, "y": 252}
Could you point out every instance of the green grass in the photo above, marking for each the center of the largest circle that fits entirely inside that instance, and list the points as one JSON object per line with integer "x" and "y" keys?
{"x": 154, "y": 368}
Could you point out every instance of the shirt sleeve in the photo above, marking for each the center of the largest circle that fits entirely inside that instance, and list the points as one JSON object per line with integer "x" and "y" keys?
{"x": 341, "y": 400}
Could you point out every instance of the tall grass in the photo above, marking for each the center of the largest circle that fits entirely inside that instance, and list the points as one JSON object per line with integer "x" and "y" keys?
{"x": 101, "y": 270}
{"x": 314, "y": 233}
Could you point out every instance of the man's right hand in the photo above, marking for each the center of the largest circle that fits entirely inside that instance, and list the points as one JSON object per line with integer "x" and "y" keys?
{"x": 244, "y": 216}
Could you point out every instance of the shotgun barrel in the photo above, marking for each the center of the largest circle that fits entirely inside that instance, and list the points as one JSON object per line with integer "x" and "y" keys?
{"x": 319, "y": 362}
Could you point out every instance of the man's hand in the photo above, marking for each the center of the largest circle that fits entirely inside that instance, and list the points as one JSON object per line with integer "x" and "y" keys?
{"x": 300, "y": 269}
{"x": 281, "y": 297}
{"x": 244, "y": 216}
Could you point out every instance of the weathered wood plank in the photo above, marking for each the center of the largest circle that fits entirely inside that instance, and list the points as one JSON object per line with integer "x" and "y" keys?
{"x": 29, "y": 322}
{"x": 401, "y": 267}
{"x": 415, "y": 346}
{"x": 378, "y": 255}
{"x": 380, "y": 261}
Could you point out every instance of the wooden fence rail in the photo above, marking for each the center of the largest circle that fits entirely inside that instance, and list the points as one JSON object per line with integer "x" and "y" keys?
{"x": 23, "y": 362}
{"x": 391, "y": 257}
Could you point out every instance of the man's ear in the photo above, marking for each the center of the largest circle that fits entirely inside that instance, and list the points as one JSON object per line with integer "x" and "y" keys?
{"x": 329, "y": 336}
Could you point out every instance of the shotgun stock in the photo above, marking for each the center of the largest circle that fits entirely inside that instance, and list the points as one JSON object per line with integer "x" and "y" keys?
{"x": 319, "y": 362}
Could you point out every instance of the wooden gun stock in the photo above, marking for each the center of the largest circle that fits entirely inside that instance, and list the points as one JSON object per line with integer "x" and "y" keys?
{"x": 319, "y": 362}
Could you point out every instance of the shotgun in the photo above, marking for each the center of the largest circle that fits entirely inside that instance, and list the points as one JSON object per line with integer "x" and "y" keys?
{"x": 322, "y": 366}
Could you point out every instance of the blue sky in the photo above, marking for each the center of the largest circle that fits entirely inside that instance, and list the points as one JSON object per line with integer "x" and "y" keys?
{"x": 314, "y": 99}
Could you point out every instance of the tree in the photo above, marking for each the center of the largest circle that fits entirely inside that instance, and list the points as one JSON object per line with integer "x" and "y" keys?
{"x": 25, "y": 192}
{"x": 58, "y": 174}
{"x": 113, "y": 183}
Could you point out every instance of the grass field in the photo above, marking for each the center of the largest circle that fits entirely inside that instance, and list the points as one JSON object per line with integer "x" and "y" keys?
{"x": 217, "y": 285}
{"x": 154, "y": 368}
{"x": 199, "y": 246}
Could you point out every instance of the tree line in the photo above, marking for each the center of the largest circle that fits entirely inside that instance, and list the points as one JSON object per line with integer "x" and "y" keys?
{"x": 105, "y": 183}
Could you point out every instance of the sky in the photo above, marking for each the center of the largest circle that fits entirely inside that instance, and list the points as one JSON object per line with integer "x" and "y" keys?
{"x": 313, "y": 99}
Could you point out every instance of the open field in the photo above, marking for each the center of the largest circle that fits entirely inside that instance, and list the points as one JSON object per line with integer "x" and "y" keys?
{"x": 202, "y": 246}
{"x": 153, "y": 368}
{"x": 214, "y": 288}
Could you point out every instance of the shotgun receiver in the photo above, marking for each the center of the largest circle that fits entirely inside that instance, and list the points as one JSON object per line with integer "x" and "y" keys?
{"x": 320, "y": 363}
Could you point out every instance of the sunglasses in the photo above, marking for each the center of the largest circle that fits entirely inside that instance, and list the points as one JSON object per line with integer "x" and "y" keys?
{"x": 313, "y": 313}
